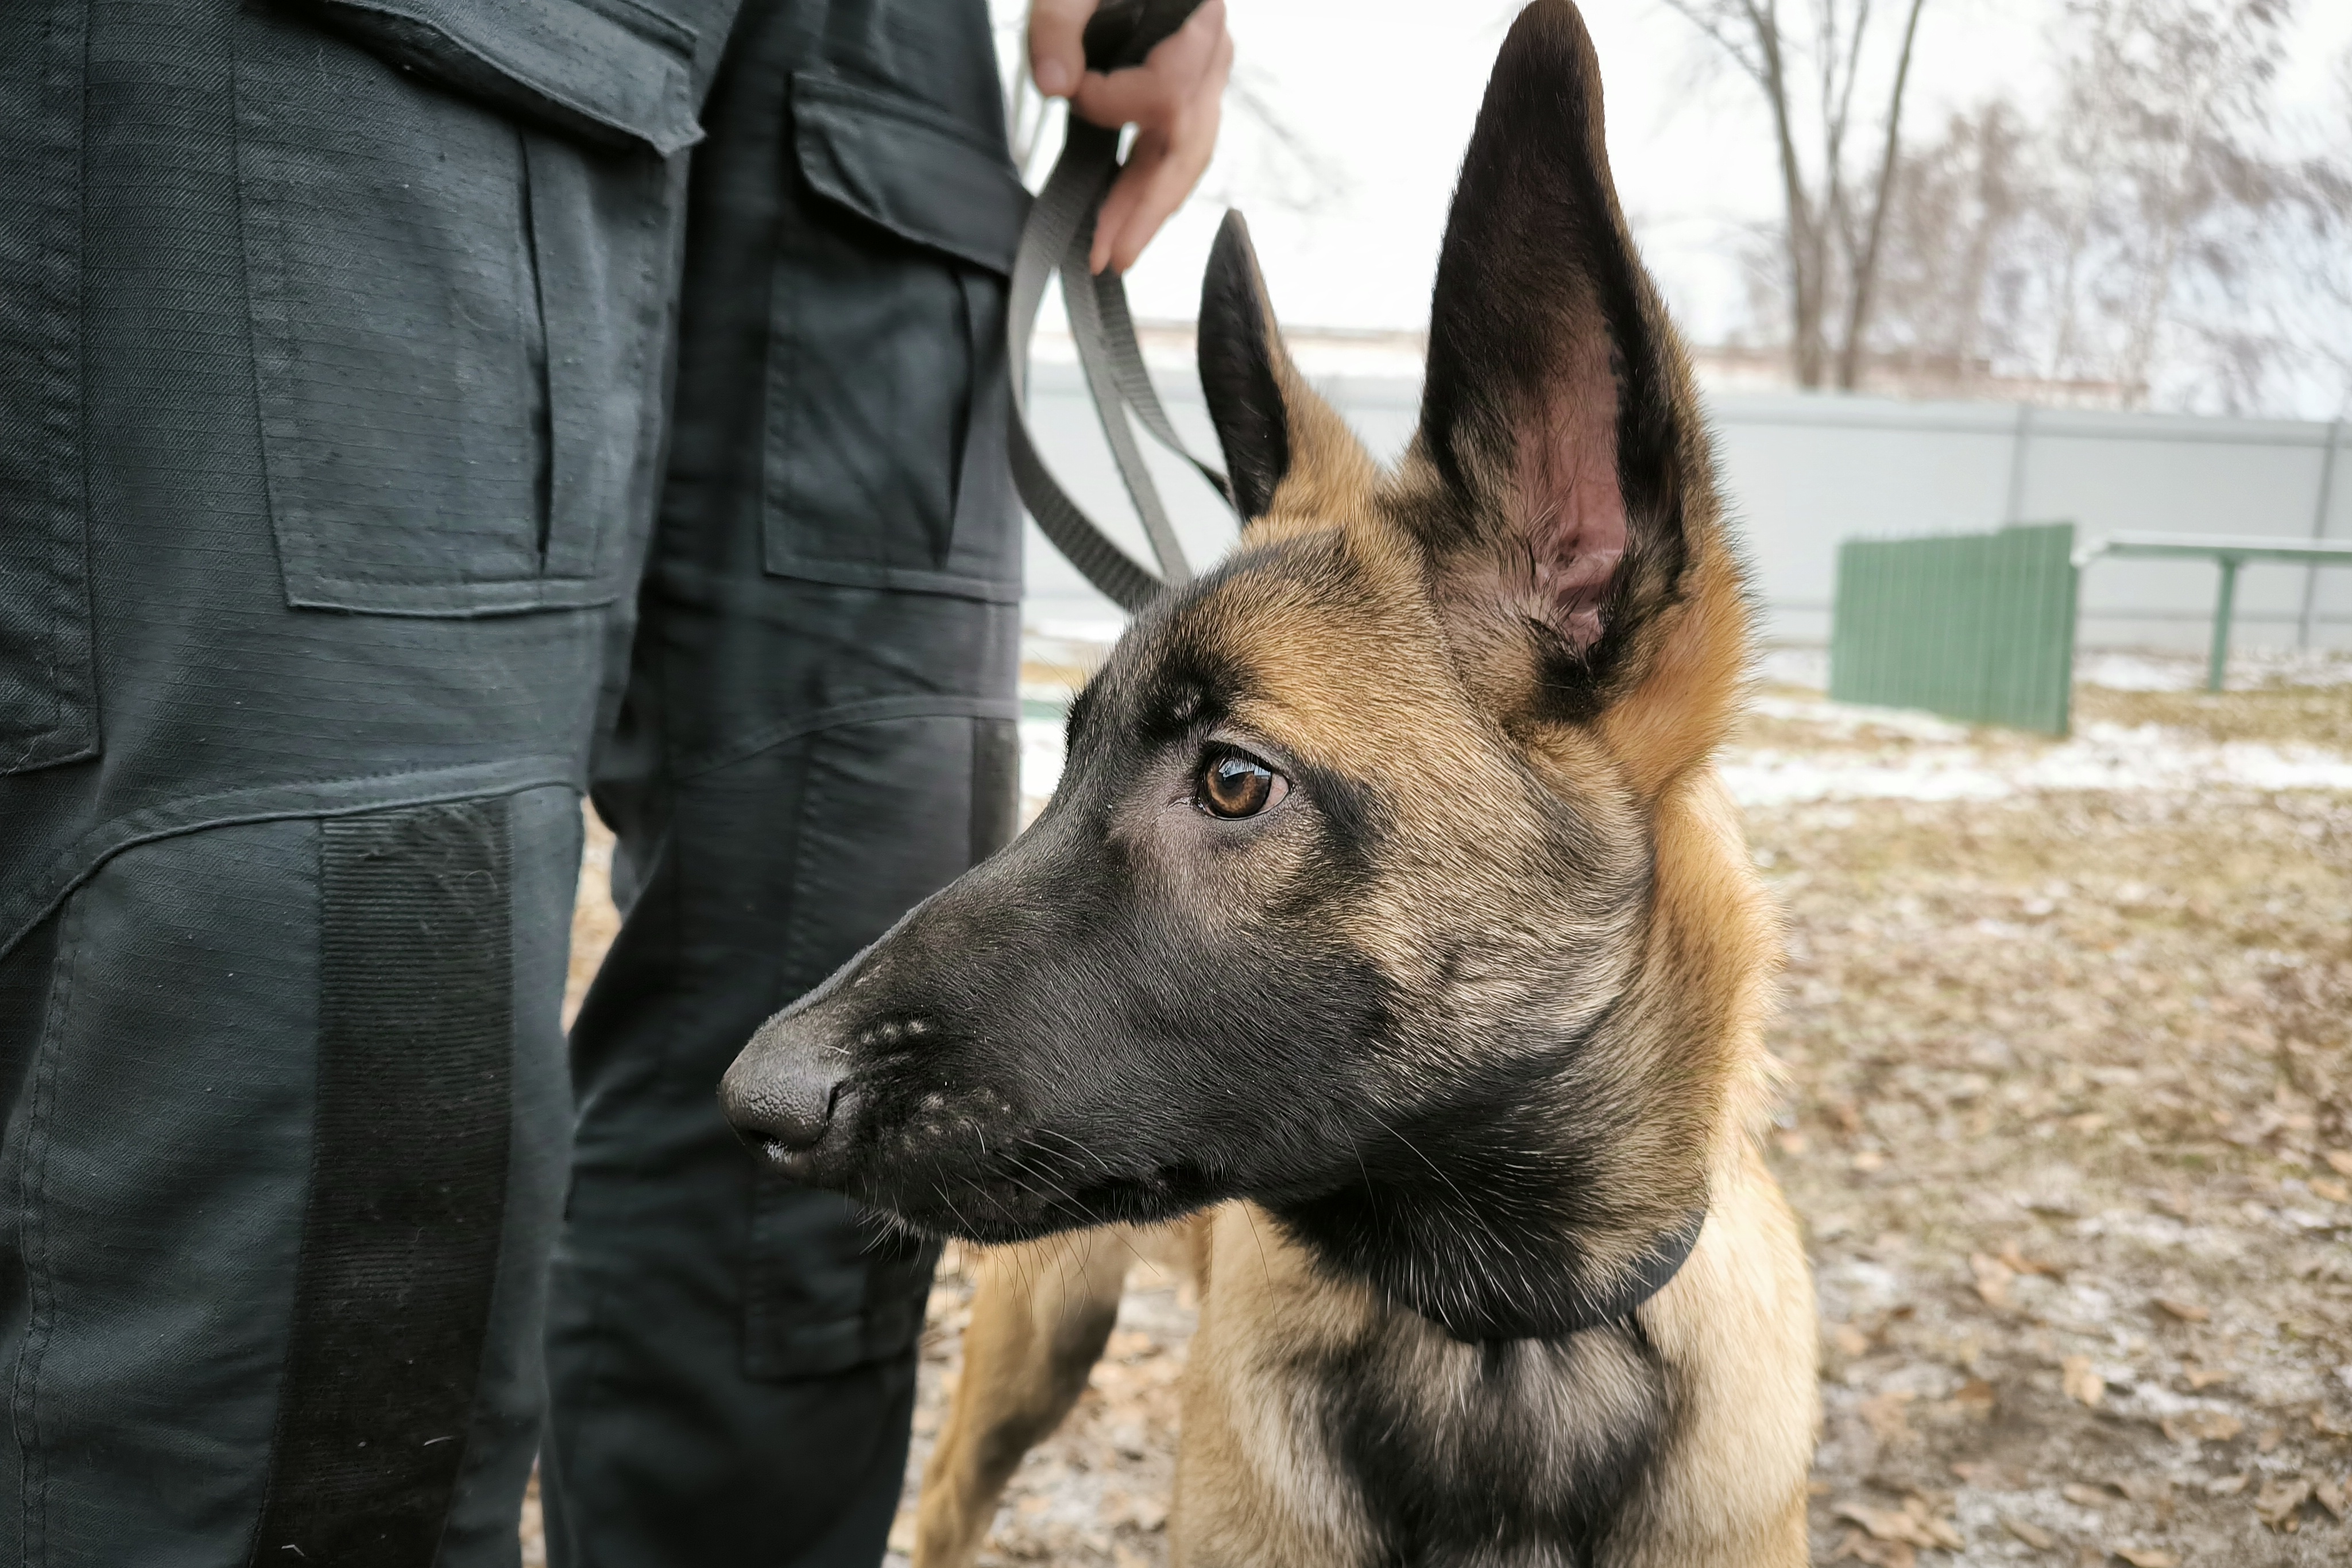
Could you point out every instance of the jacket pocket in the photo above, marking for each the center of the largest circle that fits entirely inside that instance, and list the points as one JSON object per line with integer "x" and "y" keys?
{"x": 887, "y": 393}
{"x": 48, "y": 698}
{"x": 618, "y": 80}
{"x": 891, "y": 811}
{"x": 456, "y": 316}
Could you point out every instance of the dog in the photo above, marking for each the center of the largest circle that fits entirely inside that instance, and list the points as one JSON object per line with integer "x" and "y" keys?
{"x": 1390, "y": 950}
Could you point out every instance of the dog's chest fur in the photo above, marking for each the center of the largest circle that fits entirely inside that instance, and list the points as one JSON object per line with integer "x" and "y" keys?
{"x": 1369, "y": 1436}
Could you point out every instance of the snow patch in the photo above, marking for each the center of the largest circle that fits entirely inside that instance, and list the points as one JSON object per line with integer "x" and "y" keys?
{"x": 2103, "y": 756}
{"x": 1795, "y": 668}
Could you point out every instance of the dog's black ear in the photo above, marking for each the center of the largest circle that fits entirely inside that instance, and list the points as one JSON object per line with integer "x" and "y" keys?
{"x": 1280, "y": 439}
{"x": 1554, "y": 438}
{"x": 1238, "y": 343}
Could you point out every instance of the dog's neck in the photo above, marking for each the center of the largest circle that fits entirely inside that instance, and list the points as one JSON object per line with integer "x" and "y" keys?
{"x": 1485, "y": 1219}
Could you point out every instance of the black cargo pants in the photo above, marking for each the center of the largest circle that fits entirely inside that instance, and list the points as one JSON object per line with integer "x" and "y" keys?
{"x": 398, "y": 424}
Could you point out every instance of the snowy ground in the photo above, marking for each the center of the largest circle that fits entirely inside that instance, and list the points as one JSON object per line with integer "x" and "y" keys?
{"x": 2069, "y": 1032}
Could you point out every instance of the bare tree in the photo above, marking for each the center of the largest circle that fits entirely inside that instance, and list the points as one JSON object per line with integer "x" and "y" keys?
{"x": 1948, "y": 270}
{"x": 1809, "y": 74}
{"x": 2151, "y": 238}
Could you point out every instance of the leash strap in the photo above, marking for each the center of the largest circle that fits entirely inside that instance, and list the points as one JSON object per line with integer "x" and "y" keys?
{"x": 1058, "y": 234}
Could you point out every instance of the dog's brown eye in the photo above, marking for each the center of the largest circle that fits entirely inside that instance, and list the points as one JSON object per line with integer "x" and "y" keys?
{"x": 1234, "y": 785}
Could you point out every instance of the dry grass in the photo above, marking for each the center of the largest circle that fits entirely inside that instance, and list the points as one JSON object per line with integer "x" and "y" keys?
{"x": 2068, "y": 1070}
{"x": 2071, "y": 1126}
{"x": 2316, "y": 715}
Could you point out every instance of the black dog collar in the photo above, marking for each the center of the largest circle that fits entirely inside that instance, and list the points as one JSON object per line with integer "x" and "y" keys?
{"x": 1647, "y": 1278}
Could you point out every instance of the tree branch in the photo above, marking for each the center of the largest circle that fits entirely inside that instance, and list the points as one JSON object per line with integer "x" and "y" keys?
{"x": 1865, "y": 269}
{"x": 1712, "y": 25}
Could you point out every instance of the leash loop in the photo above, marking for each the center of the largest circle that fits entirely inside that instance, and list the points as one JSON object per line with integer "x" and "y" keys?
{"x": 1055, "y": 238}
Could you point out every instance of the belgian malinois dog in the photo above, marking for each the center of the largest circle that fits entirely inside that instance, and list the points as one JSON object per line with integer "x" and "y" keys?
{"x": 1390, "y": 946}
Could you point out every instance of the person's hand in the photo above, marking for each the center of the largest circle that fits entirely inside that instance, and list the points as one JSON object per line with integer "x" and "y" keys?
{"x": 1172, "y": 99}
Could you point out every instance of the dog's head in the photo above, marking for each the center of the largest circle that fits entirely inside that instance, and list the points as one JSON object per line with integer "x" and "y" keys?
{"x": 1350, "y": 899}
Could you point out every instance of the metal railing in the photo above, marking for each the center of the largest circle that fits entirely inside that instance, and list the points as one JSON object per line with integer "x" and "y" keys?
{"x": 2228, "y": 552}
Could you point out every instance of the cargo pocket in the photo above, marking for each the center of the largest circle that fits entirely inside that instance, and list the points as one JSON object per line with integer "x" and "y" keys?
{"x": 48, "y": 698}
{"x": 887, "y": 393}
{"x": 890, "y": 812}
{"x": 458, "y": 310}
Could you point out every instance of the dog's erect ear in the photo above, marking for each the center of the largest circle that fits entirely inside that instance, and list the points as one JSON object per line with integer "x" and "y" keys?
{"x": 1547, "y": 479}
{"x": 1238, "y": 347}
{"x": 1284, "y": 447}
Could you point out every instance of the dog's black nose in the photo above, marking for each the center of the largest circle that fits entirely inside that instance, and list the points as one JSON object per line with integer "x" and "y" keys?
{"x": 783, "y": 1093}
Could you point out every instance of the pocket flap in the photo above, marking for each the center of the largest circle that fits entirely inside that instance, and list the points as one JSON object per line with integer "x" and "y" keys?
{"x": 896, "y": 164}
{"x": 554, "y": 61}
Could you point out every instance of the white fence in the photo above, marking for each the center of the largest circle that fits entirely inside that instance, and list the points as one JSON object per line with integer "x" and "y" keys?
{"x": 1803, "y": 472}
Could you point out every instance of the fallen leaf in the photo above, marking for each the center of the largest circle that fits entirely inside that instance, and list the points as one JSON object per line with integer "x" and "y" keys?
{"x": 1993, "y": 1279}
{"x": 2034, "y": 1535}
{"x": 2082, "y": 1385}
{"x": 1878, "y": 1553}
{"x": 1882, "y": 1413}
{"x": 2328, "y": 1426}
{"x": 1942, "y": 1532}
{"x": 1976, "y": 1396}
{"x": 2148, "y": 1557}
{"x": 2085, "y": 1496}
{"x": 2339, "y": 1161}
{"x": 2151, "y": 1492}
{"x": 1125, "y": 1557}
{"x": 2024, "y": 1265}
{"x": 1869, "y": 1160}
{"x": 2271, "y": 1436}
{"x": 2228, "y": 1486}
{"x": 2200, "y": 1378}
{"x": 2088, "y": 1124}
{"x": 1850, "y": 1340}
{"x": 1906, "y": 1525}
{"x": 1848, "y": 1119}
{"x": 2187, "y": 1311}
{"x": 1145, "y": 1513}
{"x": 2202, "y": 1426}
{"x": 1991, "y": 1477}
{"x": 2278, "y": 1502}
{"x": 2335, "y": 1497}
{"x": 2333, "y": 1191}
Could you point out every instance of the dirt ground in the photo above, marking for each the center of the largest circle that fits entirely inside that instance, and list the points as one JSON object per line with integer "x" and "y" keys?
{"x": 2068, "y": 1030}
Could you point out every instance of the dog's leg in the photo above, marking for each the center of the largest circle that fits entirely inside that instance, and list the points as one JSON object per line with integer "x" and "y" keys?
{"x": 1038, "y": 1323}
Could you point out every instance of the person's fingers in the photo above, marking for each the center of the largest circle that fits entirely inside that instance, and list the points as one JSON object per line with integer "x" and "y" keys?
{"x": 1163, "y": 167}
{"x": 1058, "y": 51}
{"x": 1154, "y": 192}
{"x": 1119, "y": 203}
{"x": 1171, "y": 77}
{"x": 1159, "y": 193}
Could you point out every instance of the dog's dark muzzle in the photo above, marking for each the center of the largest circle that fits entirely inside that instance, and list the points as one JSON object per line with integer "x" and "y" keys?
{"x": 790, "y": 1097}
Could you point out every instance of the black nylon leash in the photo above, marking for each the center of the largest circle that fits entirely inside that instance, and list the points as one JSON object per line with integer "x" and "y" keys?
{"x": 1057, "y": 237}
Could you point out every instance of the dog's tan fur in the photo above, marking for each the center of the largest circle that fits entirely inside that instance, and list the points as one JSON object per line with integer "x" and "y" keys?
{"x": 1735, "y": 1326}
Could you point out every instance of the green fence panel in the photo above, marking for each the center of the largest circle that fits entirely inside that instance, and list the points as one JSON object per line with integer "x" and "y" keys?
{"x": 1979, "y": 627}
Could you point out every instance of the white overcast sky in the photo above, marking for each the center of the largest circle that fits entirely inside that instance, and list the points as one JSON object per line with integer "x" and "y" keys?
{"x": 1386, "y": 92}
